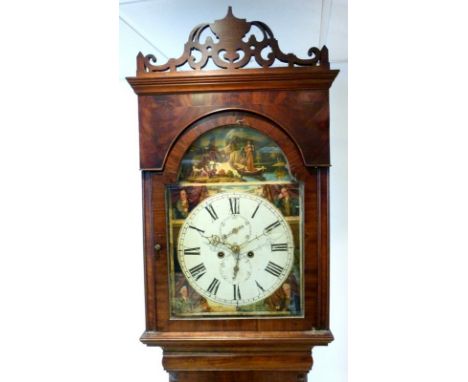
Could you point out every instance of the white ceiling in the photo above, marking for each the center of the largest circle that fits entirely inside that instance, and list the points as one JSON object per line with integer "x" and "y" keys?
{"x": 161, "y": 27}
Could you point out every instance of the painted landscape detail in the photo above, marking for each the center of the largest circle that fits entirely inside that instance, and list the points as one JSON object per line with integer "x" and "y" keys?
{"x": 235, "y": 159}
{"x": 234, "y": 154}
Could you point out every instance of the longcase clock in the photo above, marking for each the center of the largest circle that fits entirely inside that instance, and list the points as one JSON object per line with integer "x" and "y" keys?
{"x": 235, "y": 166}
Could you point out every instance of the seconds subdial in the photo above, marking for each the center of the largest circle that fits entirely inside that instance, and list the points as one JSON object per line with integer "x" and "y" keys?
{"x": 235, "y": 229}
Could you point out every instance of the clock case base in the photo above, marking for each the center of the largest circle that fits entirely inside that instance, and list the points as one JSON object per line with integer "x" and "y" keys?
{"x": 238, "y": 376}
{"x": 239, "y": 357}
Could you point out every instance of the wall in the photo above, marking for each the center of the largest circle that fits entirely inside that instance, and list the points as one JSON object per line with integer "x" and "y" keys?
{"x": 71, "y": 280}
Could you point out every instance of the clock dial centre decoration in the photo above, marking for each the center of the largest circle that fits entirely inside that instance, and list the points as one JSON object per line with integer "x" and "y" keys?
{"x": 235, "y": 229}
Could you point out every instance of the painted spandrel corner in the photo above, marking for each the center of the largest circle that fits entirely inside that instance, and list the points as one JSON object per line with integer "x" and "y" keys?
{"x": 235, "y": 158}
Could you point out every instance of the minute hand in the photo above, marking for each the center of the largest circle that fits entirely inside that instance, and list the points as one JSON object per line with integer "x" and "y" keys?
{"x": 249, "y": 241}
{"x": 266, "y": 231}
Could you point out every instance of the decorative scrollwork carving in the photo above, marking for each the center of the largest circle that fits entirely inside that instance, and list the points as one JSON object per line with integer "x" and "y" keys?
{"x": 229, "y": 48}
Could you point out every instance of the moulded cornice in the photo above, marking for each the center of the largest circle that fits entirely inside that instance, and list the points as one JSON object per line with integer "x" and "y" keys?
{"x": 233, "y": 80}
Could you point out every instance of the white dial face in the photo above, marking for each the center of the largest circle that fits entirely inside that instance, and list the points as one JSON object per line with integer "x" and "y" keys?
{"x": 235, "y": 248}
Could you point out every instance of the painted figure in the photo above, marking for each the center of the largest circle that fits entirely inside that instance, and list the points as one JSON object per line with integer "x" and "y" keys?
{"x": 286, "y": 203}
{"x": 183, "y": 304}
{"x": 267, "y": 193}
{"x": 187, "y": 300}
{"x": 285, "y": 299}
{"x": 182, "y": 206}
{"x": 290, "y": 301}
{"x": 203, "y": 194}
{"x": 249, "y": 149}
{"x": 213, "y": 154}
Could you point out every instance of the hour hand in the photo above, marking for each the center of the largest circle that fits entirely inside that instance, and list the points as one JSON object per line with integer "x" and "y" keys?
{"x": 212, "y": 240}
{"x": 216, "y": 241}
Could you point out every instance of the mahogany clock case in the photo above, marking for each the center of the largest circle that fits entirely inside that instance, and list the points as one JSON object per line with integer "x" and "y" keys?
{"x": 291, "y": 106}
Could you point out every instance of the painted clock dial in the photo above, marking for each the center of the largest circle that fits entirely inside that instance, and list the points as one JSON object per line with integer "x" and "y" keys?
{"x": 235, "y": 223}
{"x": 235, "y": 248}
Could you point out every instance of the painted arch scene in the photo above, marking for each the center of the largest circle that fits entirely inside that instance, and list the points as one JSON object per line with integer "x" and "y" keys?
{"x": 234, "y": 153}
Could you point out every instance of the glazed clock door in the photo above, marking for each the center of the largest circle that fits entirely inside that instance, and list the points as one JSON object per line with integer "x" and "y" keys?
{"x": 236, "y": 229}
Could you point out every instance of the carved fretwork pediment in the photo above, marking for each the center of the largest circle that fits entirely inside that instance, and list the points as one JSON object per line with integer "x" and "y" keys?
{"x": 231, "y": 44}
